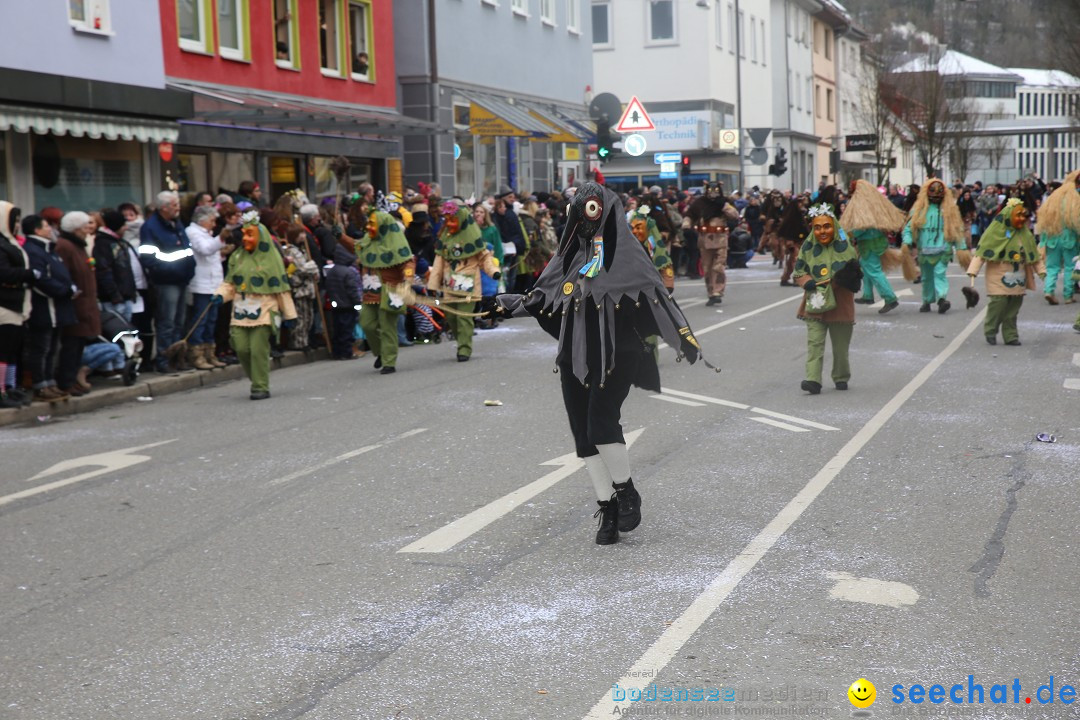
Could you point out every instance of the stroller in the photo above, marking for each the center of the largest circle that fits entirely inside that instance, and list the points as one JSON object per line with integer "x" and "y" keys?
{"x": 115, "y": 329}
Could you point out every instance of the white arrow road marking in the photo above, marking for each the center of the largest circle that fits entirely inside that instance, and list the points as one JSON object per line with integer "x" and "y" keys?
{"x": 671, "y": 641}
{"x": 737, "y": 318}
{"x": 450, "y": 535}
{"x": 1073, "y": 383}
{"x": 343, "y": 457}
{"x": 872, "y": 591}
{"x": 906, "y": 292}
{"x": 782, "y": 425}
{"x": 107, "y": 462}
{"x": 741, "y": 406}
{"x": 678, "y": 401}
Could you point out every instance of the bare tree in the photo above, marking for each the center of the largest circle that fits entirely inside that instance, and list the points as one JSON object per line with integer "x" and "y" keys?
{"x": 872, "y": 111}
{"x": 962, "y": 147}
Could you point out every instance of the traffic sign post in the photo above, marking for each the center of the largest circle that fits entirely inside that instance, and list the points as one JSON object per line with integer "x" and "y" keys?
{"x": 667, "y": 157}
{"x": 634, "y": 145}
{"x": 634, "y": 118}
{"x": 729, "y": 139}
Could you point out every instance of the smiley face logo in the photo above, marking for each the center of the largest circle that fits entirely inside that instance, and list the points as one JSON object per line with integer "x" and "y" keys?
{"x": 567, "y": 288}
{"x": 862, "y": 693}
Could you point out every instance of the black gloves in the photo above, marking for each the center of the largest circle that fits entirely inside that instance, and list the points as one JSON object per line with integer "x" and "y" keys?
{"x": 810, "y": 285}
{"x": 849, "y": 276}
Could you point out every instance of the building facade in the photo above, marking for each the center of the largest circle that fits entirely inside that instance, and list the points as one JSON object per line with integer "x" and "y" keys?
{"x": 85, "y": 105}
{"x": 828, "y": 24}
{"x": 793, "y": 95}
{"x": 282, "y": 87}
{"x": 524, "y": 125}
{"x": 1047, "y": 95}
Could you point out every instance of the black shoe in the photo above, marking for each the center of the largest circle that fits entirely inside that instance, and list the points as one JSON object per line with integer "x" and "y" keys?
{"x": 20, "y": 396}
{"x": 889, "y": 306}
{"x": 9, "y": 403}
{"x": 276, "y": 354}
{"x": 462, "y": 358}
{"x": 629, "y": 502}
{"x": 378, "y": 362}
{"x": 714, "y": 300}
{"x": 841, "y": 385}
{"x": 943, "y": 306}
{"x": 925, "y": 307}
{"x": 388, "y": 370}
{"x": 864, "y": 301}
{"x": 814, "y": 388}
{"x": 991, "y": 339}
{"x": 917, "y": 280}
{"x": 260, "y": 395}
{"x": 785, "y": 283}
{"x": 1014, "y": 343}
{"x": 608, "y": 532}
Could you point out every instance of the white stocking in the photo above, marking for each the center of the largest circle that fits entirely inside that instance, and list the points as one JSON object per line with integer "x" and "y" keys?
{"x": 617, "y": 460}
{"x": 598, "y": 473}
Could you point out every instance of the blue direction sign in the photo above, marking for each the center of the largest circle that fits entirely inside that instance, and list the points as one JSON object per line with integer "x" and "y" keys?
{"x": 666, "y": 157}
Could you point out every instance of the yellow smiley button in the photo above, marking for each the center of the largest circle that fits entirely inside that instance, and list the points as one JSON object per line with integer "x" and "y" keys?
{"x": 567, "y": 288}
{"x": 862, "y": 693}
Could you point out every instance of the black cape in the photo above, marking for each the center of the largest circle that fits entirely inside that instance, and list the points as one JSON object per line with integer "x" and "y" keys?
{"x": 626, "y": 283}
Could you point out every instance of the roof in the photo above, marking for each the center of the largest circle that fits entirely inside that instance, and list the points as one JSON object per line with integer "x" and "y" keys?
{"x": 1046, "y": 78}
{"x": 958, "y": 64}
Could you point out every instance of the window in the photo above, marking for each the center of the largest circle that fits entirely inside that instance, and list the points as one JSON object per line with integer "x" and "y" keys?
{"x": 573, "y": 14}
{"x": 753, "y": 39}
{"x": 787, "y": 19}
{"x": 731, "y": 28}
{"x": 233, "y": 26}
{"x": 829, "y": 103}
{"x": 360, "y": 41}
{"x": 809, "y": 95}
{"x": 742, "y": 34}
{"x": 817, "y": 100}
{"x": 828, "y": 44}
{"x": 547, "y": 12}
{"x": 601, "y": 23}
{"x": 90, "y": 16}
{"x": 761, "y": 23}
{"x": 194, "y": 24}
{"x": 719, "y": 24}
{"x": 661, "y": 20}
{"x": 798, "y": 90}
{"x": 331, "y": 40}
{"x": 520, "y": 7}
{"x": 286, "y": 37}
{"x": 790, "y": 91}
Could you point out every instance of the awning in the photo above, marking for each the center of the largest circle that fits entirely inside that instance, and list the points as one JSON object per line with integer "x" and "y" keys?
{"x": 245, "y": 108}
{"x": 561, "y": 131}
{"x": 494, "y": 117}
{"x": 80, "y": 124}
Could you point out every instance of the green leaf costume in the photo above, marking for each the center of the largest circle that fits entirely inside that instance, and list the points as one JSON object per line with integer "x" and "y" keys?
{"x": 388, "y": 248}
{"x": 660, "y": 257}
{"x": 260, "y": 272}
{"x": 821, "y": 262}
{"x": 1001, "y": 242}
{"x": 466, "y": 242}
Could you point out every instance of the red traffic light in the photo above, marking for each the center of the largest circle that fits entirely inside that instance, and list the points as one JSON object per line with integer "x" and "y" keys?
{"x": 686, "y": 160}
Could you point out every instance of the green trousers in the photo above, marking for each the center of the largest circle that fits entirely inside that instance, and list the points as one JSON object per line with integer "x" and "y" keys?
{"x": 840, "y": 333}
{"x": 380, "y": 332}
{"x": 1001, "y": 312}
{"x": 1059, "y": 262}
{"x": 252, "y": 346}
{"x": 462, "y": 327}
{"x": 874, "y": 278}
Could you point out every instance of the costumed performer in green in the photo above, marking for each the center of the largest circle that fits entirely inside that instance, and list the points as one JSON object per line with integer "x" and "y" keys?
{"x": 935, "y": 227}
{"x": 1058, "y": 227}
{"x": 867, "y": 220}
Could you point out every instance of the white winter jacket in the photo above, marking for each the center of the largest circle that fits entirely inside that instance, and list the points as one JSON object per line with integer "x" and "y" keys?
{"x": 208, "y": 271}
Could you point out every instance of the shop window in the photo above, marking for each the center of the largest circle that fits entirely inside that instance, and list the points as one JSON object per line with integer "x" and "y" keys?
{"x": 90, "y": 16}
{"x": 229, "y": 169}
{"x": 465, "y": 165}
{"x": 82, "y": 173}
{"x": 331, "y": 37}
{"x": 286, "y": 35}
{"x": 326, "y": 181}
{"x": 233, "y": 40}
{"x": 194, "y": 24}
{"x": 360, "y": 40}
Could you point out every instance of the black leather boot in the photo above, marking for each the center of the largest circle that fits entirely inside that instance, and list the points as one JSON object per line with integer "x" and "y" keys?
{"x": 608, "y": 532}
{"x": 629, "y": 502}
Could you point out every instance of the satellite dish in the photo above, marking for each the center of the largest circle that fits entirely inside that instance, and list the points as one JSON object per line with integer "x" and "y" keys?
{"x": 605, "y": 108}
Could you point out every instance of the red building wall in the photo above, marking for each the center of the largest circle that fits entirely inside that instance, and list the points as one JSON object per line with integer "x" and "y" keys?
{"x": 263, "y": 74}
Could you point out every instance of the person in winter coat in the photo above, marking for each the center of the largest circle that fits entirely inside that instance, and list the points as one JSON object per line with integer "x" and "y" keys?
{"x": 343, "y": 291}
{"x": 72, "y": 247}
{"x": 16, "y": 279}
{"x": 51, "y": 307}
{"x": 209, "y": 252}
{"x": 303, "y": 273}
{"x": 166, "y": 255}
{"x": 112, "y": 266}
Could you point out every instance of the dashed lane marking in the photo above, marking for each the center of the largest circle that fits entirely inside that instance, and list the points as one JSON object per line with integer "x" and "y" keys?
{"x": 781, "y": 425}
{"x": 741, "y": 406}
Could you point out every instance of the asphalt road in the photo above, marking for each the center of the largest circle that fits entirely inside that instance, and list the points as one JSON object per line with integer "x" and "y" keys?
{"x": 367, "y": 546}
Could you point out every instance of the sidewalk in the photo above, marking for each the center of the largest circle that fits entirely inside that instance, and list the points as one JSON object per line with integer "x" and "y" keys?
{"x": 108, "y": 392}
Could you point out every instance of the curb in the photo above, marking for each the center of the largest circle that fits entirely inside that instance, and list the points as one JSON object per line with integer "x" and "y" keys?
{"x": 148, "y": 385}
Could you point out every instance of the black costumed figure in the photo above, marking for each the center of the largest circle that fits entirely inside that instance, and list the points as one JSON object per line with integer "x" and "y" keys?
{"x": 600, "y": 297}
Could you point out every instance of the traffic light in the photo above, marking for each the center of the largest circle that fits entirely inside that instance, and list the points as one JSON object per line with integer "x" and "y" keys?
{"x": 779, "y": 166}
{"x": 834, "y": 162}
{"x": 605, "y": 143}
{"x": 686, "y": 166}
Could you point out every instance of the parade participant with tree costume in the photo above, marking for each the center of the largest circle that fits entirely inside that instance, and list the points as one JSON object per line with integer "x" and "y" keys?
{"x": 1012, "y": 260}
{"x": 867, "y": 219}
{"x": 827, "y": 269}
{"x": 258, "y": 287}
{"x": 936, "y": 228}
{"x": 461, "y": 255}
{"x": 386, "y": 262}
{"x": 600, "y": 296}
{"x": 1058, "y": 228}
{"x": 648, "y": 234}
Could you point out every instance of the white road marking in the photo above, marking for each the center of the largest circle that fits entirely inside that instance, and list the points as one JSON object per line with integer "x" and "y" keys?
{"x": 682, "y": 629}
{"x": 741, "y": 406}
{"x": 343, "y": 457}
{"x": 906, "y": 292}
{"x": 108, "y": 462}
{"x": 679, "y": 401}
{"x": 692, "y": 303}
{"x": 872, "y": 591}
{"x": 737, "y": 318}
{"x": 1072, "y": 384}
{"x": 1076, "y": 359}
{"x": 450, "y": 535}
{"x": 782, "y": 425}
